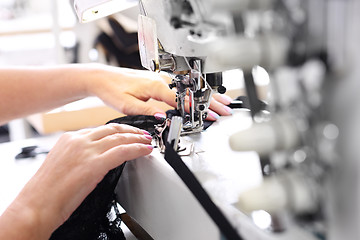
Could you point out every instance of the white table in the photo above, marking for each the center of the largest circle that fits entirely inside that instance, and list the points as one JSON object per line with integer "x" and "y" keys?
{"x": 153, "y": 194}
{"x": 15, "y": 173}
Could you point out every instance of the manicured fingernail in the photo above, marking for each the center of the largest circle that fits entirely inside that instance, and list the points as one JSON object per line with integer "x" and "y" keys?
{"x": 160, "y": 116}
{"x": 213, "y": 115}
{"x": 229, "y": 110}
{"x": 227, "y": 99}
{"x": 146, "y": 132}
{"x": 150, "y": 147}
{"x": 148, "y": 137}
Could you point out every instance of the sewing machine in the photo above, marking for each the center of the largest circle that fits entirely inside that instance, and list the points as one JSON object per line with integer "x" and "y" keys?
{"x": 196, "y": 44}
{"x": 289, "y": 171}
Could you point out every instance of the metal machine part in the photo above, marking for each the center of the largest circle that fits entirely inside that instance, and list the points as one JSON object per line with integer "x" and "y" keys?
{"x": 169, "y": 131}
{"x": 195, "y": 44}
{"x": 188, "y": 77}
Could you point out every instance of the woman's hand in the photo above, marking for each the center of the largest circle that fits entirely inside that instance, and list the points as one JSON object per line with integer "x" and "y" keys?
{"x": 38, "y": 89}
{"x": 72, "y": 169}
{"x": 129, "y": 90}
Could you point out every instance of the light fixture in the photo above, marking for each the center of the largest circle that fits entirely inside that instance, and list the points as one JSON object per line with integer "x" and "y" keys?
{"x": 90, "y": 10}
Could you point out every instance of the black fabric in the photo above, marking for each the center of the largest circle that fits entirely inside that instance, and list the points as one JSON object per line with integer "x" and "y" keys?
{"x": 91, "y": 220}
{"x": 140, "y": 121}
{"x": 175, "y": 161}
{"x": 243, "y": 102}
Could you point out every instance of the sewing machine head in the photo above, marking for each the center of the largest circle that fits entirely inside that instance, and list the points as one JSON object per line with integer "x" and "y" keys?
{"x": 168, "y": 43}
{"x": 195, "y": 41}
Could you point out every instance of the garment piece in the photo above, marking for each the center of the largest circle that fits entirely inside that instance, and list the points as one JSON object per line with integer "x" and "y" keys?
{"x": 91, "y": 220}
{"x": 144, "y": 122}
{"x": 94, "y": 218}
{"x": 243, "y": 102}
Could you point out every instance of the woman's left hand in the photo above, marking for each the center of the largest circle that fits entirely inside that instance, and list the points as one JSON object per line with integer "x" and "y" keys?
{"x": 129, "y": 90}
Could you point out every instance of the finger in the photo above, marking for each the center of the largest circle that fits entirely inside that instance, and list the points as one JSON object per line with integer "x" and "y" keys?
{"x": 161, "y": 92}
{"x": 117, "y": 139}
{"x": 112, "y": 128}
{"x": 220, "y": 108}
{"x": 215, "y": 110}
{"x": 212, "y": 116}
{"x": 116, "y": 156}
{"x": 217, "y": 105}
{"x": 222, "y": 98}
{"x": 83, "y": 131}
{"x": 136, "y": 106}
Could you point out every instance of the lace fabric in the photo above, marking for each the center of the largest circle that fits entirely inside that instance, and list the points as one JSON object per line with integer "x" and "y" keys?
{"x": 97, "y": 218}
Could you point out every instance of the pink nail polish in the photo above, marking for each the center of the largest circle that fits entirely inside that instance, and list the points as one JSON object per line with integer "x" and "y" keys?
{"x": 148, "y": 137}
{"x": 146, "y": 132}
{"x": 160, "y": 116}
{"x": 229, "y": 110}
{"x": 150, "y": 147}
{"x": 214, "y": 115}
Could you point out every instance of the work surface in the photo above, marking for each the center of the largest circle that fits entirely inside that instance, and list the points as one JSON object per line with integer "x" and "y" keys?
{"x": 15, "y": 173}
{"x": 152, "y": 193}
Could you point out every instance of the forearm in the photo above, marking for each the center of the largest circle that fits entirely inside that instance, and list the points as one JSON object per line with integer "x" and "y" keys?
{"x": 24, "y": 91}
{"x": 37, "y": 210}
{"x": 25, "y": 218}
{"x": 20, "y": 222}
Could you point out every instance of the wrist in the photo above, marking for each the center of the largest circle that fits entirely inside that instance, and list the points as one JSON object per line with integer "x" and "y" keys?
{"x": 20, "y": 221}
{"x": 33, "y": 214}
{"x": 92, "y": 81}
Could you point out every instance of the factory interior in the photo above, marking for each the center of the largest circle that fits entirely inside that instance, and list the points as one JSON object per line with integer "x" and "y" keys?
{"x": 281, "y": 164}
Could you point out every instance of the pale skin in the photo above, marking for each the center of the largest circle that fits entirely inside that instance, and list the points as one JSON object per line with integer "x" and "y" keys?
{"x": 68, "y": 175}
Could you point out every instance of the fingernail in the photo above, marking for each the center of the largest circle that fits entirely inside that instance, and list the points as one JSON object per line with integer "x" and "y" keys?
{"x": 160, "y": 116}
{"x": 150, "y": 147}
{"x": 148, "y": 137}
{"x": 214, "y": 115}
{"x": 227, "y": 99}
{"x": 146, "y": 132}
{"x": 229, "y": 110}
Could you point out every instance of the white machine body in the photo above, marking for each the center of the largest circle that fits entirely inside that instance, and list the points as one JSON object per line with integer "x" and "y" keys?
{"x": 302, "y": 150}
